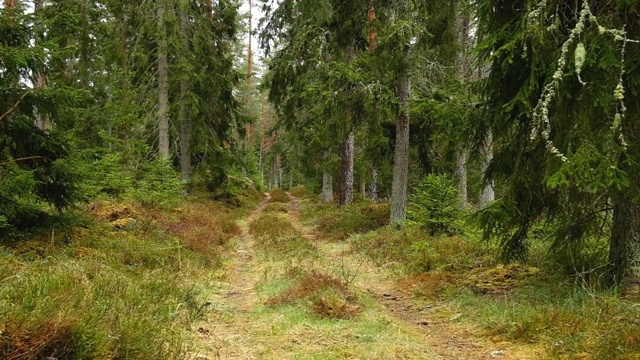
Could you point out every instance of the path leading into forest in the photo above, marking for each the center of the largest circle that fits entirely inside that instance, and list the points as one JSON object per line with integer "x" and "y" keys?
{"x": 393, "y": 326}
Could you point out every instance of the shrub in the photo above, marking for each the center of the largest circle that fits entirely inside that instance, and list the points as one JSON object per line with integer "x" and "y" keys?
{"x": 434, "y": 205}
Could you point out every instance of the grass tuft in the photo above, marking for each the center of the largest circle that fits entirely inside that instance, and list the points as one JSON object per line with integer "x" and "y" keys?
{"x": 324, "y": 295}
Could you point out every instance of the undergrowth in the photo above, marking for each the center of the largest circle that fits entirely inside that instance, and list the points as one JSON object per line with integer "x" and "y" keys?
{"x": 336, "y": 223}
{"x": 557, "y": 307}
{"x": 321, "y": 294}
{"x": 110, "y": 291}
{"x": 279, "y": 196}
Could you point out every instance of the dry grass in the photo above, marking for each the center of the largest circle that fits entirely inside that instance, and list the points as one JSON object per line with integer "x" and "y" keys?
{"x": 52, "y": 339}
{"x": 325, "y": 296}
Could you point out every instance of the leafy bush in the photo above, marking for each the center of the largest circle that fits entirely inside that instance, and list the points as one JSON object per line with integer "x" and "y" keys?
{"x": 434, "y": 205}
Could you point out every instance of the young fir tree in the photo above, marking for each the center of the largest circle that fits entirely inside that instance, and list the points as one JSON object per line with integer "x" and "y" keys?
{"x": 561, "y": 110}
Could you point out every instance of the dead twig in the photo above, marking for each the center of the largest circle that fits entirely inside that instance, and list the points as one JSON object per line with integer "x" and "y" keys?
{"x": 12, "y": 108}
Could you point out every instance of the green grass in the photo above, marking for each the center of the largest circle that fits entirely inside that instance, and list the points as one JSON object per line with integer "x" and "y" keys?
{"x": 105, "y": 293}
{"x": 566, "y": 315}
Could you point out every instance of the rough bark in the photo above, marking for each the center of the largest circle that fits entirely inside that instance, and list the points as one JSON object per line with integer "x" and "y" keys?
{"x": 461, "y": 174}
{"x": 346, "y": 180}
{"x": 41, "y": 81}
{"x": 624, "y": 250}
{"x": 401, "y": 152}
{"x": 327, "y": 187}
{"x": 163, "y": 85}
{"x": 488, "y": 194}
{"x": 186, "y": 127}
{"x": 371, "y": 17}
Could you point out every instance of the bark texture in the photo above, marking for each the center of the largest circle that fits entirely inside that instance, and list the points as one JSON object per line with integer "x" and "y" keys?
{"x": 401, "y": 152}
{"x": 346, "y": 180}
{"x": 163, "y": 85}
{"x": 186, "y": 127}
{"x": 624, "y": 250}
{"x": 488, "y": 194}
{"x": 461, "y": 174}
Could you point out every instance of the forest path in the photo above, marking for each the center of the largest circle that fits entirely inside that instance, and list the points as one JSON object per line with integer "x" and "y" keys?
{"x": 439, "y": 329}
{"x": 390, "y": 326}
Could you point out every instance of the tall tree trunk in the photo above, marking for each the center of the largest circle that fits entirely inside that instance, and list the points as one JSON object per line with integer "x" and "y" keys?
{"x": 41, "y": 81}
{"x": 346, "y": 180}
{"x": 401, "y": 151}
{"x": 163, "y": 85}
{"x": 373, "y": 36}
{"x": 461, "y": 173}
{"x": 186, "y": 127}
{"x": 373, "y": 187}
{"x": 464, "y": 74}
{"x": 488, "y": 194}
{"x": 373, "y": 44}
{"x": 624, "y": 250}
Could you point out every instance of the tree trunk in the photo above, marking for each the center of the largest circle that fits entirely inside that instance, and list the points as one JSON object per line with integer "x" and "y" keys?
{"x": 346, "y": 180}
{"x": 371, "y": 18}
{"x": 463, "y": 74}
{"x": 373, "y": 187}
{"x": 488, "y": 194}
{"x": 163, "y": 85}
{"x": 41, "y": 81}
{"x": 461, "y": 174}
{"x": 624, "y": 250}
{"x": 401, "y": 152}
{"x": 327, "y": 187}
{"x": 186, "y": 127}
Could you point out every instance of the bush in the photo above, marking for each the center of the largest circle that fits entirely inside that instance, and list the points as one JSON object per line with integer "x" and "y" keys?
{"x": 434, "y": 205}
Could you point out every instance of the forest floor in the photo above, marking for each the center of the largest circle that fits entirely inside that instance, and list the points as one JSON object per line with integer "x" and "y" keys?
{"x": 249, "y": 321}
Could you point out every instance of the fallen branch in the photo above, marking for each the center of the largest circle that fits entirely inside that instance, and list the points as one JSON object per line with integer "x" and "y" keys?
{"x": 21, "y": 159}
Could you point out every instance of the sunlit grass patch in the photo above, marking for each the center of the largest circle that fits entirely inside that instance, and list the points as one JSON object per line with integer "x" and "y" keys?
{"x": 279, "y": 196}
{"x": 324, "y": 296}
